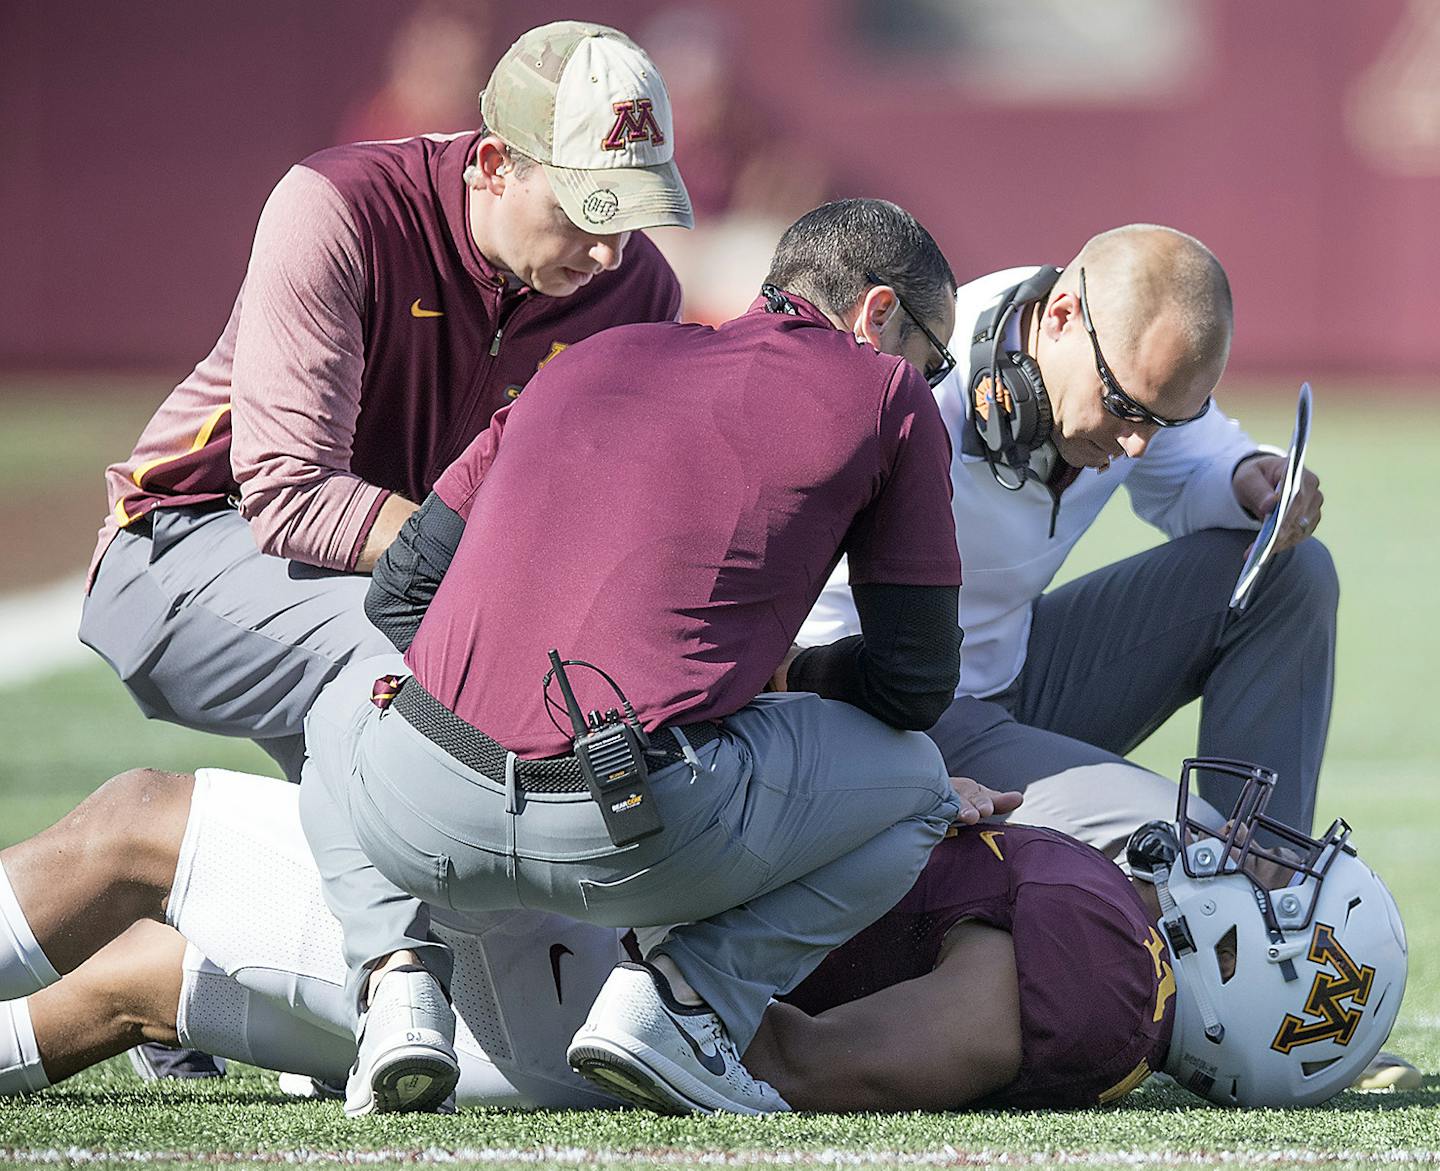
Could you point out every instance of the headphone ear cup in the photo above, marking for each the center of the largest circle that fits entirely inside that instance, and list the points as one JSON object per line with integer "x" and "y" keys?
{"x": 1033, "y": 416}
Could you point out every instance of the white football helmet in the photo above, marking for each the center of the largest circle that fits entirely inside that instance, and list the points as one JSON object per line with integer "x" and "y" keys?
{"x": 1289, "y": 959}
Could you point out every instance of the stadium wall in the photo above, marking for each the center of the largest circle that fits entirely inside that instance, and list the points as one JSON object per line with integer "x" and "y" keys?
{"x": 1300, "y": 139}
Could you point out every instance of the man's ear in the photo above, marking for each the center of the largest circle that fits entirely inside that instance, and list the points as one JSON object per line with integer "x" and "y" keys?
{"x": 491, "y": 166}
{"x": 1061, "y": 311}
{"x": 874, "y": 314}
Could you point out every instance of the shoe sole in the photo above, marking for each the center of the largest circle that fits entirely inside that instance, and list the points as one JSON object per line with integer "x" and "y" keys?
{"x": 415, "y": 1080}
{"x": 626, "y": 1077}
{"x": 637, "y": 1081}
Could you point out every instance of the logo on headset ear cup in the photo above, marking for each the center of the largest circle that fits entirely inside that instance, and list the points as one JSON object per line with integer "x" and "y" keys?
{"x": 1010, "y": 405}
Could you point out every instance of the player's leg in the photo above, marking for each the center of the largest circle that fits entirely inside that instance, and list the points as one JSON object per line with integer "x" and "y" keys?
{"x": 1071, "y": 786}
{"x": 151, "y": 985}
{"x": 206, "y": 631}
{"x": 72, "y": 888}
{"x": 1113, "y": 654}
{"x": 125, "y": 993}
{"x": 523, "y": 983}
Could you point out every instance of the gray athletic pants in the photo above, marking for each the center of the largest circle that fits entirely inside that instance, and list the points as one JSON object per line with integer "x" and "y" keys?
{"x": 206, "y": 631}
{"x": 807, "y": 821}
{"x": 1115, "y": 653}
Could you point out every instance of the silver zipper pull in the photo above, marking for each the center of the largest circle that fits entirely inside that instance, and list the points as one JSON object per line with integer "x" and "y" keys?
{"x": 495, "y": 344}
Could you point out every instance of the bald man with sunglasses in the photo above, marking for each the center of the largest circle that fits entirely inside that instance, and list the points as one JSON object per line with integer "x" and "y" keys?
{"x": 1106, "y": 371}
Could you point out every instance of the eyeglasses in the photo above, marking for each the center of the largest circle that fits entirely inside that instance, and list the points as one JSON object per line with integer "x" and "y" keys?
{"x": 1113, "y": 398}
{"x": 947, "y": 360}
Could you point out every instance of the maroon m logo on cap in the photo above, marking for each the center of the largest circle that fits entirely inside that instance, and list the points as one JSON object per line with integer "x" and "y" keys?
{"x": 634, "y": 122}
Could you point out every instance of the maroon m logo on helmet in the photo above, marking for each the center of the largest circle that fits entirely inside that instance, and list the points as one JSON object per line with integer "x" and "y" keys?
{"x": 634, "y": 122}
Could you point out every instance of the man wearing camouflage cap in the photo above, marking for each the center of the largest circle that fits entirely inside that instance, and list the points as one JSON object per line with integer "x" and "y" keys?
{"x": 398, "y": 294}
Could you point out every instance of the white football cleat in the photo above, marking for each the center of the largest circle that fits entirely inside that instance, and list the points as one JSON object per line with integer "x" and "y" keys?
{"x": 405, "y": 1059}
{"x": 640, "y": 1044}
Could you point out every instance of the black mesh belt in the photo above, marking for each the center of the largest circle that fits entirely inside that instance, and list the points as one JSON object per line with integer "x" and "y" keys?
{"x": 554, "y": 774}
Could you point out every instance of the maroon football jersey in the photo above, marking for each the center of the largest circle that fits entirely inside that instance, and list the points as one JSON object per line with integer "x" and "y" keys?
{"x": 1096, "y": 989}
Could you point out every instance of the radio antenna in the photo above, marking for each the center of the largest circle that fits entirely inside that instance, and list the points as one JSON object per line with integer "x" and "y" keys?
{"x": 572, "y": 706}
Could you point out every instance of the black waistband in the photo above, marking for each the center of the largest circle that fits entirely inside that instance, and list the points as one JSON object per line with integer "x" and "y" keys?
{"x": 554, "y": 774}
{"x": 144, "y": 524}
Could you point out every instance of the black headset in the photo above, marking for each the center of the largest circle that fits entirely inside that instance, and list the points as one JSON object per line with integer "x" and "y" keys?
{"x": 1008, "y": 404}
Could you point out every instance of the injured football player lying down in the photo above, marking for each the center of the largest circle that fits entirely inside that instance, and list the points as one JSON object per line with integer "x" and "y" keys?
{"x": 1023, "y": 969}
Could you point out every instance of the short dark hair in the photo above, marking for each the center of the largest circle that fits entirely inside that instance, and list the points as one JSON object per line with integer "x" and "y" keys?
{"x": 824, "y": 256}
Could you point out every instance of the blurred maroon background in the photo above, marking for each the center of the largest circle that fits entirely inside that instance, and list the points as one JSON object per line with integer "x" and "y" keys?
{"x": 1300, "y": 140}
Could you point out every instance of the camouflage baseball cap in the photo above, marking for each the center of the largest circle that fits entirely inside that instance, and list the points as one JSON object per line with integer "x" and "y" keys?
{"x": 589, "y": 104}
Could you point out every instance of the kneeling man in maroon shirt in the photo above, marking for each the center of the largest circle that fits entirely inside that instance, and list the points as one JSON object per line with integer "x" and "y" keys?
{"x": 665, "y": 502}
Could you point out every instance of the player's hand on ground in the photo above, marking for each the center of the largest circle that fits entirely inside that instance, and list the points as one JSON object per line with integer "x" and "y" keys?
{"x": 1257, "y": 488}
{"x": 977, "y": 802}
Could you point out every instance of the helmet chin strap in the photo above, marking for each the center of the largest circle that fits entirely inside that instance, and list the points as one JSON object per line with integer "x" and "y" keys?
{"x": 1184, "y": 954}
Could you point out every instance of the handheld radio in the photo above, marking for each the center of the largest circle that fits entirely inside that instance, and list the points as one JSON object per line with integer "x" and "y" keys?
{"x": 610, "y": 750}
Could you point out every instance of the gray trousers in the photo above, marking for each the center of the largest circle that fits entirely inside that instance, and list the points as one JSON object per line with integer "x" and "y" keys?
{"x": 807, "y": 821}
{"x": 206, "y": 631}
{"x": 1112, "y": 655}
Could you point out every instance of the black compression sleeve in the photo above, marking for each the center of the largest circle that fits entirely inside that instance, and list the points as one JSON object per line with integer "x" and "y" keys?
{"x": 409, "y": 571}
{"x": 904, "y": 665}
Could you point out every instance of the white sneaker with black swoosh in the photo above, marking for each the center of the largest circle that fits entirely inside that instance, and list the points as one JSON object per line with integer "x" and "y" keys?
{"x": 641, "y": 1044}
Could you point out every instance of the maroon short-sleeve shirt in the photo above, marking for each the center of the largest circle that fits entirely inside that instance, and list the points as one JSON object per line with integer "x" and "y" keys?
{"x": 667, "y": 502}
{"x": 1097, "y": 993}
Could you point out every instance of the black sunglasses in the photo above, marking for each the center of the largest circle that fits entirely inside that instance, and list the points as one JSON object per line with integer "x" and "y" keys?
{"x": 1113, "y": 398}
{"x": 947, "y": 359}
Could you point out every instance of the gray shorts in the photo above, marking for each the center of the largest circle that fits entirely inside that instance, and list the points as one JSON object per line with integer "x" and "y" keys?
{"x": 206, "y": 631}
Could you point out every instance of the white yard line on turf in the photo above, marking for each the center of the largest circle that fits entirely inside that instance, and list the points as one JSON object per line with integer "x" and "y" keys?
{"x": 37, "y": 632}
{"x": 583, "y": 1156}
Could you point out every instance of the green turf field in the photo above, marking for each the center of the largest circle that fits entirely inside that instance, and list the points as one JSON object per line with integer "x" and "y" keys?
{"x": 64, "y": 734}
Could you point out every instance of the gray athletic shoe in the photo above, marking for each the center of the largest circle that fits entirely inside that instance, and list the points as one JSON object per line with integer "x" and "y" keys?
{"x": 153, "y": 1063}
{"x": 640, "y": 1044}
{"x": 405, "y": 1059}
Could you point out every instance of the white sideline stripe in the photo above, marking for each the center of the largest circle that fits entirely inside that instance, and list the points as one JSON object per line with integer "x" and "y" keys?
{"x": 576, "y": 1156}
{"x": 37, "y": 632}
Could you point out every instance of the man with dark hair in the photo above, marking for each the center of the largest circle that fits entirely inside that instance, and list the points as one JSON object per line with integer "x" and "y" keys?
{"x": 683, "y": 570}
{"x": 825, "y": 256}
